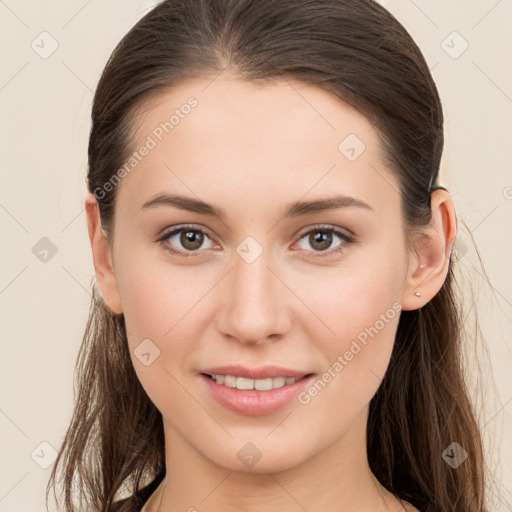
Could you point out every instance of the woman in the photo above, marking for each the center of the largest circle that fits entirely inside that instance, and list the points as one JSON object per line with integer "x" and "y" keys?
{"x": 274, "y": 325}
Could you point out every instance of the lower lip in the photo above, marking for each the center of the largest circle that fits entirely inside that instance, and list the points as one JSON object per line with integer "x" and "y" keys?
{"x": 252, "y": 402}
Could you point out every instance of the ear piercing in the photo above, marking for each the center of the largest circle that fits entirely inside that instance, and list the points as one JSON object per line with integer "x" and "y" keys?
{"x": 417, "y": 294}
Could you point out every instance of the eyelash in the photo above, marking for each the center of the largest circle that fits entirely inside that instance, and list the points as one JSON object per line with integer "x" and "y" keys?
{"x": 319, "y": 254}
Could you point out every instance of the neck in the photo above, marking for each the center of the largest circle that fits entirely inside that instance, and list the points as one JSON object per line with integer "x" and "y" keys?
{"x": 337, "y": 478}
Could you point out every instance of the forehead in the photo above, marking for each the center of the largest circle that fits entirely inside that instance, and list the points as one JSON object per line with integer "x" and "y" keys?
{"x": 263, "y": 142}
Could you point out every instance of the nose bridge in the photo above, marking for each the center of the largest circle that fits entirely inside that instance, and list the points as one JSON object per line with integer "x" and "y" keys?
{"x": 254, "y": 307}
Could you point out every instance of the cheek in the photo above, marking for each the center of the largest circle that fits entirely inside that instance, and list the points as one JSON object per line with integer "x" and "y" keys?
{"x": 356, "y": 362}
{"x": 160, "y": 303}
{"x": 355, "y": 299}
{"x": 159, "y": 329}
{"x": 154, "y": 293}
{"x": 360, "y": 312}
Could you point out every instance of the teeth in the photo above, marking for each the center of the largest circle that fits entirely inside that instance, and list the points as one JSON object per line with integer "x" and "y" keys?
{"x": 229, "y": 380}
{"x": 248, "y": 384}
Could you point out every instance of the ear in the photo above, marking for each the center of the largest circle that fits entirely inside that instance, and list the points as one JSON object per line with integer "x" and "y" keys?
{"x": 430, "y": 259}
{"x": 102, "y": 256}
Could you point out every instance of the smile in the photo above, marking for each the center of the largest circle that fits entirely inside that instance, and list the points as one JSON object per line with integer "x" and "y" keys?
{"x": 255, "y": 397}
{"x": 250, "y": 384}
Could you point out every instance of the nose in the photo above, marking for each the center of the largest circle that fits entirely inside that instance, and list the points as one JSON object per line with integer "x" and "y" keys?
{"x": 253, "y": 302}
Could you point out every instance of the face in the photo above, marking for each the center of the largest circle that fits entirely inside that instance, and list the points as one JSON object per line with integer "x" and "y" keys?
{"x": 314, "y": 292}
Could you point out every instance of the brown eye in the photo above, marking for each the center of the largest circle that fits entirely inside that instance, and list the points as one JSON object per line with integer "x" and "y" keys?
{"x": 191, "y": 239}
{"x": 320, "y": 239}
{"x": 184, "y": 241}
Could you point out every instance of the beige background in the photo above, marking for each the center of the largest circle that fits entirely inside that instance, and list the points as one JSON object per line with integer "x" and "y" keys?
{"x": 45, "y": 106}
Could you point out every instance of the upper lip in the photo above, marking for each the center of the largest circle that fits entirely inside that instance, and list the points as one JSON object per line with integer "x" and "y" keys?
{"x": 263, "y": 372}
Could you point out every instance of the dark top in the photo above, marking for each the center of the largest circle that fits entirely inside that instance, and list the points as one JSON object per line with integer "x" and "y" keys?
{"x": 135, "y": 502}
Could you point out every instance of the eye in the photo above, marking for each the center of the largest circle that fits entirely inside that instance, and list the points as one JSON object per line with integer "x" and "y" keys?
{"x": 321, "y": 238}
{"x": 189, "y": 238}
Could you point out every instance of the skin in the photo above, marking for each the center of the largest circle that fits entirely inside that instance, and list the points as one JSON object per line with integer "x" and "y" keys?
{"x": 252, "y": 150}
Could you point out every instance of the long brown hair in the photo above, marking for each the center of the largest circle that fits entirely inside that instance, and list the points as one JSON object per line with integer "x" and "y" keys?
{"x": 361, "y": 53}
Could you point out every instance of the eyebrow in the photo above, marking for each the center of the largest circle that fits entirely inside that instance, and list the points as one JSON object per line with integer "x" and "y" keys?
{"x": 293, "y": 210}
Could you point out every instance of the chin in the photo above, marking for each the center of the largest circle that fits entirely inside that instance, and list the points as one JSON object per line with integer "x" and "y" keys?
{"x": 258, "y": 458}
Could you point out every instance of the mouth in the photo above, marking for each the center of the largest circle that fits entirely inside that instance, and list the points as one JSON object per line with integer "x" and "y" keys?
{"x": 248, "y": 384}
{"x": 255, "y": 397}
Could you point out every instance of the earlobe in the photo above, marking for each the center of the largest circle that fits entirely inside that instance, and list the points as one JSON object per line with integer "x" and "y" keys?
{"x": 102, "y": 257}
{"x": 430, "y": 262}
